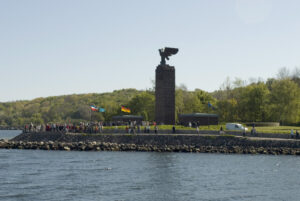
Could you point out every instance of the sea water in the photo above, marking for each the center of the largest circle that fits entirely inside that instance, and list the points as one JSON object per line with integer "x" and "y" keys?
{"x": 74, "y": 175}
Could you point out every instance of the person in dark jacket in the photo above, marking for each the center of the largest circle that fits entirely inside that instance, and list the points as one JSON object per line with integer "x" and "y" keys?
{"x": 173, "y": 129}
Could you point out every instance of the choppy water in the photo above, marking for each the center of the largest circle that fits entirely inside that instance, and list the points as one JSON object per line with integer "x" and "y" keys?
{"x": 61, "y": 175}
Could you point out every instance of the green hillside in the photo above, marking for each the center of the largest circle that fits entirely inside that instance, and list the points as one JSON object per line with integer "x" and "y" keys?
{"x": 276, "y": 100}
{"x": 68, "y": 108}
{"x": 76, "y": 108}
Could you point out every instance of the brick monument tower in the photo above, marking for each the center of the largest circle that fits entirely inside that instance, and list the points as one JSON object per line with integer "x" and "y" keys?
{"x": 165, "y": 89}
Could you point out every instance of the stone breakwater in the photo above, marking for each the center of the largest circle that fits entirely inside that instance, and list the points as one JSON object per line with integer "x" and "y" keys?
{"x": 154, "y": 143}
{"x": 102, "y": 146}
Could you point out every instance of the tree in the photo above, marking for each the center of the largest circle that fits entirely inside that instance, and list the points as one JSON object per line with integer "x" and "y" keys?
{"x": 85, "y": 112}
{"x": 143, "y": 104}
{"x": 254, "y": 103}
{"x": 283, "y": 73}
{"x": 285, "y": 101}
{"x": 205, "y": 98}
{"x": 227, "y": 110}
{"x": 296, "y": 76}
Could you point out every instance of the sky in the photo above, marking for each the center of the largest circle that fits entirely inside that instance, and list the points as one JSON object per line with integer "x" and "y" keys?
{"x": 58, "y": 47}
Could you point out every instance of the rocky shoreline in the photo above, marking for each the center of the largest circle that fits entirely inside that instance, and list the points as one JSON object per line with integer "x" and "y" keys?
{"x": 151, "y": 143}
{"x": 103, "y": 146}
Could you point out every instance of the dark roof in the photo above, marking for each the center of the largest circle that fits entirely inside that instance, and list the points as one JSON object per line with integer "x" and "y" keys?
{"x": 127, "y": 117}
{"x": 198, "y": 115}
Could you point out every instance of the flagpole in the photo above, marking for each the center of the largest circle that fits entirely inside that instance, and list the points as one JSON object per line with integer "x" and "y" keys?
{"x": 91, "y": 115}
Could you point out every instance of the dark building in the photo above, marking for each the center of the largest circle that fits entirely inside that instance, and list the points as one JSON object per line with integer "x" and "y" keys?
{"x": 165, "y": 94}
{"x": 198, "y": 119}
{"x": 126, "y": 119}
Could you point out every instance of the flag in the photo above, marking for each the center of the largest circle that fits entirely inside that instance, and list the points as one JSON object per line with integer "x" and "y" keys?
{"x": 101, "y": 109}
{"x": 124, "y": 109}
{"x": 210, "y": 105}
{"x": 94, "y": 108}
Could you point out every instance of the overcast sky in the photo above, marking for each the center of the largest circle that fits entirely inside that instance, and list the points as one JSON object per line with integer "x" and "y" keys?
{"x": 56, "y": 47}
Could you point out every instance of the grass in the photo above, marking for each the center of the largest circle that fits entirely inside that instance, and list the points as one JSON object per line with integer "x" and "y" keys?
{"x": 275, "y": 129}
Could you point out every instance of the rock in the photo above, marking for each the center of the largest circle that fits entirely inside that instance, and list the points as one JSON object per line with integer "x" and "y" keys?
{"x": 66, "y": 148}
{"x": 54, "y": 146}
{"x": 82, "y": 147}
{"x": 89, "y": 147}
{"x": 34, "y": 146}
{"x": 46, "y": 147}
{"x": 153, "y": 143}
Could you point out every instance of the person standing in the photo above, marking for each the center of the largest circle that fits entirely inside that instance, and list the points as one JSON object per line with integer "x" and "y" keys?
{"x": 292, "y": 133}
{"x": 139, "y": 128}
{"x": 221, "y": 130}
{"x": 244, "y": 132}
{"x": 30, "y": 127}
{"x": 25, "y": 128}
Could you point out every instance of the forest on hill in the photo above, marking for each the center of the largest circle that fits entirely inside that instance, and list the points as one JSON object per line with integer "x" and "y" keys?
{"x": 274, "y": 100}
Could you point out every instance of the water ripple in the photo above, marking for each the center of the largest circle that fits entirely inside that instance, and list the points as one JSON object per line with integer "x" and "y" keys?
{"x": 24, "y": 174}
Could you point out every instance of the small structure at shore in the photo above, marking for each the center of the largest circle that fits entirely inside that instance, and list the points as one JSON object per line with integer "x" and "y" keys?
{"x": 126, "y": 119}
{"x": 198, "y": 119}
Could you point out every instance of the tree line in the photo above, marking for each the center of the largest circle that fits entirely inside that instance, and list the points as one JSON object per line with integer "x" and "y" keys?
{"x": 273, "y": 100}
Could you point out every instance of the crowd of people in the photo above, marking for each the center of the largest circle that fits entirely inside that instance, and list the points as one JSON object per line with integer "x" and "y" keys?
{"x": 88, "y": 127}
{"x": 135, "y": 127}
{"x": 82, "y": 127}
{"x": 132, "y": 127}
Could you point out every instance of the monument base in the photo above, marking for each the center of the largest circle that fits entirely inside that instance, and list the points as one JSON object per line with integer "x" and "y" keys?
{"x": 165, "y": 95}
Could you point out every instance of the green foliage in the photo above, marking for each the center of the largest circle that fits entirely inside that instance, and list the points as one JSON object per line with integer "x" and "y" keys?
{"x": 273, "y": 100}
{"x": 143, "y": 104}
{"x": 276, "y": 100}
{"x": 192, "y": 102}
{"x": 254, "y": 103}
{"x": 285, "y": 101}
{"x": 70, "y": 108}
